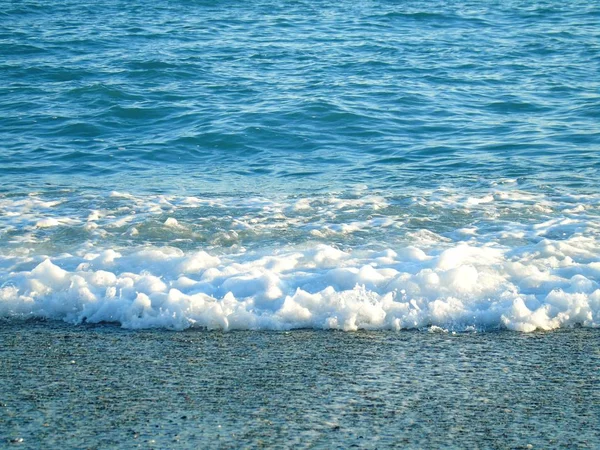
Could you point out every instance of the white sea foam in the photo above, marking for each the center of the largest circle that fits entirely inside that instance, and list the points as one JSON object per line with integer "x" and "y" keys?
{"x": 462, "y": 287}
{"x": 445, "y": 260}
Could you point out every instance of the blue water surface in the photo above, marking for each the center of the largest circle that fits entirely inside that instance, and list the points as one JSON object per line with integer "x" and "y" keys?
{"x": 295, "y": 96}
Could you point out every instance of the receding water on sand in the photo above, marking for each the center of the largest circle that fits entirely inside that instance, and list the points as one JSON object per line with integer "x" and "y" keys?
{"x": 99, "y": 386}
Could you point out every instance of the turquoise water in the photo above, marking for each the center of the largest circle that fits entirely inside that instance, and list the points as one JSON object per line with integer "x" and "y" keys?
{"x": 299, "y": 97}
{"x": 278, "y": 165}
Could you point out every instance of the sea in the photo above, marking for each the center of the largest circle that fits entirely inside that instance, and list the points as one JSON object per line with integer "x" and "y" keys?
{"x": 299, "y": 224}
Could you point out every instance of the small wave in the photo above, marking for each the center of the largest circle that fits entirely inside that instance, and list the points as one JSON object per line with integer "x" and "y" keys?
{"x": 462, "y": 287}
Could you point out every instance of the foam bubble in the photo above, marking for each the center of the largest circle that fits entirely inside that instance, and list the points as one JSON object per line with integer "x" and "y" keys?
{"x": 47, "y": 222}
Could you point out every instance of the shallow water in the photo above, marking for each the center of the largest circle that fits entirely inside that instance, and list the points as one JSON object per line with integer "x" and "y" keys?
{"x": 101, "y": 386}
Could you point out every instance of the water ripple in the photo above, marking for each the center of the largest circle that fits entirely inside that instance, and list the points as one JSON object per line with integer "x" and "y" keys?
{"x": 329, "y": 93}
